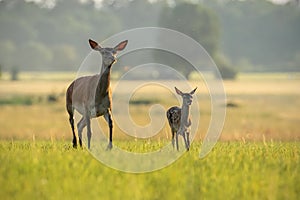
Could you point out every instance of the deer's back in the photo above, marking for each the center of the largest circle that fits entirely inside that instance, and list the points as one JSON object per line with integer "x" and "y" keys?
{"x": 83, "y": 88}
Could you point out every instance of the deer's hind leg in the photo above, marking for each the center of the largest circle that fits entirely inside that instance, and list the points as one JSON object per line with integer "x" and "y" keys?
{"x": 71, "y": 120}
{"x": 174, "y": 141}
{"x": 176, "y": 138}
{"x": 173, "y": 138}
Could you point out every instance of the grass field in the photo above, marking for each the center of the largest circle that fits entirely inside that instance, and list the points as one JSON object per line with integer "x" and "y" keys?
{"x": 233, "y": 170}
{"x": 257, "y": 156}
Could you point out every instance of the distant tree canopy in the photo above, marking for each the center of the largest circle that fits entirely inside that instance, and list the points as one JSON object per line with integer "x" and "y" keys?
{"x": 37, "y": 38}
{"x": 261, "y": 33}
{"x": 196, "y": 21}
{"x": 47, "y": 36}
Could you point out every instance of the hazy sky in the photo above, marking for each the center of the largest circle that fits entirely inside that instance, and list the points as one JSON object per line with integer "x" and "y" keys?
{"x": 52, "y": 2}
{"x": 280, "y": 1}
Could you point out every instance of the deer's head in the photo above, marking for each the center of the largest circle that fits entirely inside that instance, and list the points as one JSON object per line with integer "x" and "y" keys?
{"x": 186, "y": 97}
{"x": 108, "y": 54}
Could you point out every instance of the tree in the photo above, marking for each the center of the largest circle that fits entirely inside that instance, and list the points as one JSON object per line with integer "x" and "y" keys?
{"x": 225, "y": 67}
{"x": 7, "y": 55}
{"x": 264, "y": 33}
{"x": 196, "y": 21}
{"x": 14, "y": 73}
{"x": 34, "y": 56}
{"x": 65, "y": 57}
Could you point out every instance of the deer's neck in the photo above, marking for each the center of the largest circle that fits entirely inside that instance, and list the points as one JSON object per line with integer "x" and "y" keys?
{"x": 185, "y": 112}
{"x": 103, "y": 84}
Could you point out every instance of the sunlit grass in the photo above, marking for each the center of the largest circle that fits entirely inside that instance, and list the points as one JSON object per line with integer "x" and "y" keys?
{"x": 257, "y": 157}
{"x": 52, "y": 170}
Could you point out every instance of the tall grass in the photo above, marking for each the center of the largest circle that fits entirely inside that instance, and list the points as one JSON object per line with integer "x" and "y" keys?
{"x": 53, "y": 170}
{"x": 257, "y": 157}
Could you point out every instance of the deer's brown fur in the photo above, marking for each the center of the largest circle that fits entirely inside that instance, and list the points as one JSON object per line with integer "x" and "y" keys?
{"x": 91, "y": 95}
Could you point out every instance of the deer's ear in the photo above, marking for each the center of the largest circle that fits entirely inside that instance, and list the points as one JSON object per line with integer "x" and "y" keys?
{"x": 178, "y": 91}
{"x": 94, "y": 45}
{"x": 121, "y": 45}
{"x": 193, "y": 91}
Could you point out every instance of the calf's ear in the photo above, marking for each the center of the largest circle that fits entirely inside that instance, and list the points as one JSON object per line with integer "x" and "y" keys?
{"x": 193, "y": 91}
{"x": 178, "y": 91}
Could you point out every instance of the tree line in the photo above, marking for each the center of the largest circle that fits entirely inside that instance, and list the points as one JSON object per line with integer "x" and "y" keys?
{"x": 241, "y": 35}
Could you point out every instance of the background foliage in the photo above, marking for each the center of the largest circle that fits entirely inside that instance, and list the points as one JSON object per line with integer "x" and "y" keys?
{"x": 52, "y": 35}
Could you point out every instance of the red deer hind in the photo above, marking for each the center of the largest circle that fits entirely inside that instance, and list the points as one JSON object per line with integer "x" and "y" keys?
{"x": 91, "y": 95}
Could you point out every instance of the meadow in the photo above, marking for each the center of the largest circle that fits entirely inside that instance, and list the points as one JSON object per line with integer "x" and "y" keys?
{"x": 233, "y": 170}
{"x": 257, "y": 156}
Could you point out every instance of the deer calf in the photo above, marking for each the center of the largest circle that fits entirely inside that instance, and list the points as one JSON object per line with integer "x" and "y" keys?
{"x": 91, "y": 95}
{"x": 179, "y": 120}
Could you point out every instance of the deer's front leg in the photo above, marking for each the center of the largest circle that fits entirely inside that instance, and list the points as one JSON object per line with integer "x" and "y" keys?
{"x": 88, "y": 127}
{"x": 183, "y": 131}
{"x": 109, "y": 121}
{"x": 188, "y": 139}
{"x": 185, "y": 141}
{"x": 81, "y": 124}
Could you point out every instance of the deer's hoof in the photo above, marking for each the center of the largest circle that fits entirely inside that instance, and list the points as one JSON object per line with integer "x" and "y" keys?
{"x": 74, "y": 146}
{"x": 109, "y": 146}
